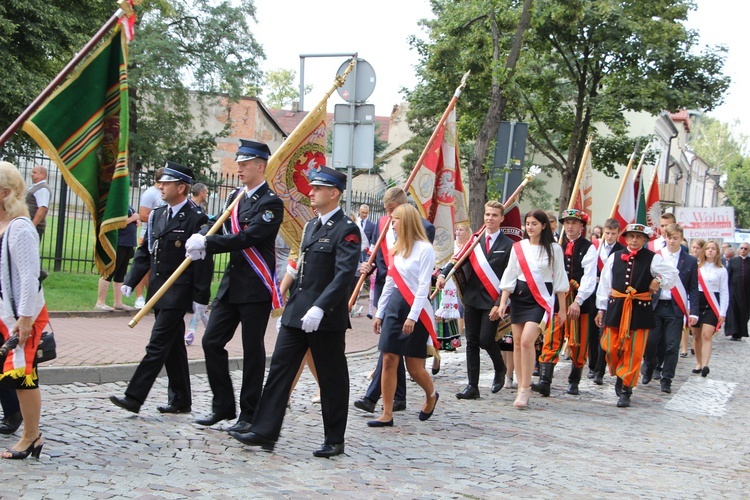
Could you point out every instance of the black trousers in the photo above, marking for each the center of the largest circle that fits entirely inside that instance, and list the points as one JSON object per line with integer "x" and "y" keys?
{"x": 222, "y": 324}
{"x": 328, "y": 352}
{"x": 594, "y": 337}
{"x": 9, "y": 401}
{"x": 480, "y": 332}
{"x": 166, "y": 348}
{"x": 375, "y": 389}
{"x": 667, "y": 332}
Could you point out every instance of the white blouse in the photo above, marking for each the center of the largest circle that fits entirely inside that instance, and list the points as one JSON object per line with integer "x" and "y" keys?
{"x": 717, "y": 280}
{"x": 416, "y": 270}
{"x": 536, "y": 256}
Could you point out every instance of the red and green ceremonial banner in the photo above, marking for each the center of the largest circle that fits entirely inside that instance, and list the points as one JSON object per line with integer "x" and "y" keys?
{"x": 290, "y": 170}
{"x": 653, "y": 204}
{"x": 83, "y": 128}
{"x": 438, "y": 190}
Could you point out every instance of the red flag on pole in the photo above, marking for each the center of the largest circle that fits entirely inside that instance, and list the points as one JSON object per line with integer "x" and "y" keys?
{"x": 511, "y": 226}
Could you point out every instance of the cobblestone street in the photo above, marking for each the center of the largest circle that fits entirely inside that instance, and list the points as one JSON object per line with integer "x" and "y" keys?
{"x": 692, "y": 443}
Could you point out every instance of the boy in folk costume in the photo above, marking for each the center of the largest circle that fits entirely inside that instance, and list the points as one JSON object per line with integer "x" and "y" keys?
{"x": 628, "y": 281}
{"x": 580, "y": 266}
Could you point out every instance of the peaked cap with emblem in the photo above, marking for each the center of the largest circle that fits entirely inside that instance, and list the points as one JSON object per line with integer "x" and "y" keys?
{"x": 250, "y": 150}
{"x": 174, "y": 172}
{"x": 327, "y": 176}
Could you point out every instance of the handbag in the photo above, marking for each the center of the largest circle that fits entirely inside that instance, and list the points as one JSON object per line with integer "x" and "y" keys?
{"x": 47, "y": 350}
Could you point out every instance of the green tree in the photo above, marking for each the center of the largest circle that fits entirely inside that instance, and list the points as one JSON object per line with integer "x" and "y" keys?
{"x": 183, "y": 50}
{"x": 584, "y": 63}
{"x": 36, "y": 40}
{"x": 281, "y": 88}
{"x": 738, "y": 191}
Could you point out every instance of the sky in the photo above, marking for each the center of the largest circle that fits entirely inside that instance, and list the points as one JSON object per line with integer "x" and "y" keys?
{"x": 379, "y": 34}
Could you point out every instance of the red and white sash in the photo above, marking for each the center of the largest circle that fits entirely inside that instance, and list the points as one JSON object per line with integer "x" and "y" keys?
{"x": 536, "y": 284}
{"x": 256, "y": 261}
{"x": 426, "y": 315}
{"x": 679, "y": 294}
{"x": 600, "y": 259}
{"x": 484, "y": 272}
{"x": 710, "y": 298}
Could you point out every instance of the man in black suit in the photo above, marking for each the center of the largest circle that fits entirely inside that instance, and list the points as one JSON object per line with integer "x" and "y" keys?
{"x": 739, "y": 294}
{"x": 392, "y": 199}
{"x": 367, "y": 226}
{"x": 671, "y": 308}
{"x": 316, "y": 318}
{"x": 480, "y": 296}
{"x": 161, "y": 253}
{"x": 605, "y": 246}
{"x": 248, "y": 289}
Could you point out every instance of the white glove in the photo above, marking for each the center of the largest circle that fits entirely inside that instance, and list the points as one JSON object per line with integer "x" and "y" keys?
{"x": 195, "y": 254}
{"x": 199, "y": 309}
{"x": 195, "y": 242}
{"x": 291, "y": 271}
{"x": 311, "y": 320}
{"x": 126, "y": 290}
{"x": 278, "y": 324}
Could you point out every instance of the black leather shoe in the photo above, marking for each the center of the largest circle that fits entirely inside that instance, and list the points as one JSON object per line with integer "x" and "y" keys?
{"x": 423, "y": 415}
{"x": 696, "y": 370}
{"x": 435, "y": 366}
{"x": 126, "y": 403}
{"x": 666, "y": 385}
{"x": 329, "y": 450}
{"x": 399, "y": 404}
{"x": 365, "y": 404}
{"x": 173, "y": 409}
{"x": 11, "y": 423}
{"x": 598, "y": 379}
{"x": 705, "y": 371}
{"x": 469, "y": 392}
{"x": 646, "y": 378}
{"x": 624, "y": 401}
{"x": 657, "y": 374}
{"x": 253, "y": 439}
{"x": 499, "y": 381}
{"x": 240, "y": 426}
{"x": 215, "y": 418}
{"x": 380, "y": 423}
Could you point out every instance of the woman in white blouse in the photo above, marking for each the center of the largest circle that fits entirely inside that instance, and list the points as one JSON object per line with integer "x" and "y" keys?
{"x": 713, "y": 275}
{"x": 22, "y": 311}
{"x": 405, "y": 314}
{"x": 545, "y": 260}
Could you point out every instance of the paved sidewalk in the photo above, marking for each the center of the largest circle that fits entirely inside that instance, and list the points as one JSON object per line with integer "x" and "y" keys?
{"x": 101, "y": 347}
{"x": 689, "y": 444}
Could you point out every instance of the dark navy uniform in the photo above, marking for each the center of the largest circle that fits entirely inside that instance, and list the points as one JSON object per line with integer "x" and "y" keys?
{"x": 242, "y": 298}
{"x": 330, "y": 255}
{"x": 160, "y": 254}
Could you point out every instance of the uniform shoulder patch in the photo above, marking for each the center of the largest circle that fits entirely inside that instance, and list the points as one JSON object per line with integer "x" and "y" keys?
{"x": 268, "y": 216}
{"x": 352, "y": 238}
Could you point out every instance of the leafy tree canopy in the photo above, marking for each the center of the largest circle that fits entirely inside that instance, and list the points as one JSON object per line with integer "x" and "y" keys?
{"x": 584, "y": 64}
{"x": 37, "y": 38}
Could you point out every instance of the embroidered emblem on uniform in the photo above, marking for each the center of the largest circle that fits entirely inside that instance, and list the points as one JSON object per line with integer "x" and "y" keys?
{"x": 352, "y": 238}
{"x": 268, "y": 216}
{"x": 178, "y": 243}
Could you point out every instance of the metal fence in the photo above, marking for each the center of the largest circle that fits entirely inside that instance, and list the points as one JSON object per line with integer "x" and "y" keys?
{"x": 68, "y": 242}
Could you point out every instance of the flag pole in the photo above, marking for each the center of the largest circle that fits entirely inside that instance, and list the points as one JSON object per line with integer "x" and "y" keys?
{"x": 468, "y": 248}
{"x": 420, "y": 161}
{"x": 625, "y": 179}
{"x": 124, "y": 10}
{"x": 579, "y": 177}
{"x": 338, "y": 82}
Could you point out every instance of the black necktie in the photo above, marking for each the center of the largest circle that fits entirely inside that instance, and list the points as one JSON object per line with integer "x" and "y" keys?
{"x": 318, "y": 225}
{"x": 169, "y": 214}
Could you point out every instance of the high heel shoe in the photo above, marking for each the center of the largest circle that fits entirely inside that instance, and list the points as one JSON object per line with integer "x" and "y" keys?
{"x": 32, "y": 450}
{"x": 423, "y": 415}
{"x": 522, "y": 399}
